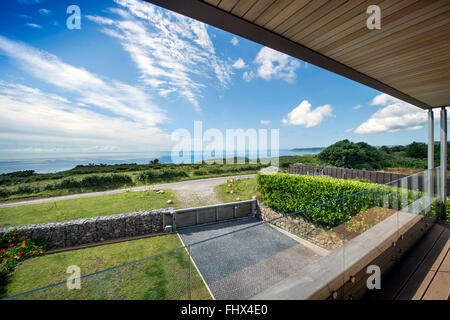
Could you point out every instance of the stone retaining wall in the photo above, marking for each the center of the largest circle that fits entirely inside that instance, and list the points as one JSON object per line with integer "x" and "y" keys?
{"x": 97, "y": 229}
{"x": 300, "y": 228}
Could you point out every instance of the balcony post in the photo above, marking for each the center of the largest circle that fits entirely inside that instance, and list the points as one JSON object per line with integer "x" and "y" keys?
{"x": 431, "y": 172}
{"x": 443, "y": 162}
{"x": 430, "y": 139}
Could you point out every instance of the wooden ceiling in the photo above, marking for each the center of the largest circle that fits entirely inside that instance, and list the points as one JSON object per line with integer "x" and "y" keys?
{"x": 409, "y": 57}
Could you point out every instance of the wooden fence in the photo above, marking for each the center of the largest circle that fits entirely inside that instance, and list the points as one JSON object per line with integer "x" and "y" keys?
{"x": 373, "y": 176}
{"x": 210, "y": 214}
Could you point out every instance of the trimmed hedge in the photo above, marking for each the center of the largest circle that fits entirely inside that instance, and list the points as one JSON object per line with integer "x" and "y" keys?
{"x": 290, "y": 193}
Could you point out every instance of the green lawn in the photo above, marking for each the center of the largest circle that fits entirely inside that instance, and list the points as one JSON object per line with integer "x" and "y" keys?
{"x": 64, "y": 192}
{"x": 85, "y": 208}
{"x": 247, "y": 188}
{"x": 164, "y": 278}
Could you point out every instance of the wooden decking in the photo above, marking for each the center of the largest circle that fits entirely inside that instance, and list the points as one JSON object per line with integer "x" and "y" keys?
{"x": 423, "y": 274}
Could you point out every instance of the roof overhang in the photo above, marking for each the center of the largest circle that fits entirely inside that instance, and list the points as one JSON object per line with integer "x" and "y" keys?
{"x": 408, "y": 58}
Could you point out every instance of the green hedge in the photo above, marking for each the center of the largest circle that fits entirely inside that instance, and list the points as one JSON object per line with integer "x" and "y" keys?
{"x": 155, "y": 175}
{"x": 92, "y": 181}
{"x": 289, "y": 193}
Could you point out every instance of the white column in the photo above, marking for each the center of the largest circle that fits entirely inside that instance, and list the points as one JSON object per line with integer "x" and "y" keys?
{"x": 444, "y": 160}
{"x": 431, "y": 172}
{"x": 430, "y": 139}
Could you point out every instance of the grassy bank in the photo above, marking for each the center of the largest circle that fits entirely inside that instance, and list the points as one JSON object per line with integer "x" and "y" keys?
{"x": 85, "y": 208}
{"x": 26, "y": 188}
{"x": 244, "y": 189}
{"x": 162, "y": 278}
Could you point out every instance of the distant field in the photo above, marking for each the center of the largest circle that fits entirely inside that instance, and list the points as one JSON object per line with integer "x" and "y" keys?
{"x": 37, "y": 183}
{"x": 164, "y": 278}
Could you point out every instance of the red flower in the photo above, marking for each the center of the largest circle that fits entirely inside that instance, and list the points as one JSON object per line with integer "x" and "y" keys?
{"x": 11, "y": 245}
{"x": 20, "y": 253}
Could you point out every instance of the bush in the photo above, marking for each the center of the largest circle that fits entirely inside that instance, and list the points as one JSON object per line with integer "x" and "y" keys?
{"x": 417, "y": 150}
{"x": 155, "y": 175}
{"x": 200, "y": 173}
{"x": 290, "y": 193}
{"x": 14, "y": 248}
{"x": 4, "y": 193}
{"x": 92, "y": 181}
{"x": 347, "y": 154}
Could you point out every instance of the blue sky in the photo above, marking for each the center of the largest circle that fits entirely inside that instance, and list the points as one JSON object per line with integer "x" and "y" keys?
{"x": 135, "y": 72}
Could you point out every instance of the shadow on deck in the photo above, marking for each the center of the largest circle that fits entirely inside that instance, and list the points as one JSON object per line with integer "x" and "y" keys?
{"x": 423, "y": 274}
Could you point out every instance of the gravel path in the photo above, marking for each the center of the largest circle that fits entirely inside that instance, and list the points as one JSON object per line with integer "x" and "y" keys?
{"x": 202, "y": 188}
{"x": 241, "y": 264}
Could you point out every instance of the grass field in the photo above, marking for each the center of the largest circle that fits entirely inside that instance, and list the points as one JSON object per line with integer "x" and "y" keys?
{"x": 85, "y": 208}
{"x": 247, "y": 188}
{"x": 162, "y": 278}
{"x": 64, "y": 192}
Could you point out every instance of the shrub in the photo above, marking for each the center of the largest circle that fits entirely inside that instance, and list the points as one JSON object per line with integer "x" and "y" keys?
{"x": 200, "y": 173}
{"x": 154, "y": 175}
{"x": 351, "y": 155}
{"x": 92, "y": 181}
{"x": 4, "y": 192}
{"x": 14, "y": 248}
{"x": 417, "y": 150}
{"x": 291, "y": 193}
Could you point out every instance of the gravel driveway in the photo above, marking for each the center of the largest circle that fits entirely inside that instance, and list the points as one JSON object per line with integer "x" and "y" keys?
{"x": 241, "y": 264}
{"x": 202, "y": 188}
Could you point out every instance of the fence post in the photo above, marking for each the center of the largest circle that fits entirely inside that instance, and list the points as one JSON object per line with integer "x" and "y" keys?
{"x": 234, "y": 211}
{"x": 217, "y": 213}
{"x": 174, "y": 220}
{"x": 254, "y": 211}
{"x": 189, "y": 275}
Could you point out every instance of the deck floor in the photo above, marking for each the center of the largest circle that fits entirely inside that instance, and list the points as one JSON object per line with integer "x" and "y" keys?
{"x": 423, "y": 274}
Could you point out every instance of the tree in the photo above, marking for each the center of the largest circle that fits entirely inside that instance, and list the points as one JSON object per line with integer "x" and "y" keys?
{"x": 155, "y": 161}
{"x": 352, "y": 155}
{"x": 417, "y": 150}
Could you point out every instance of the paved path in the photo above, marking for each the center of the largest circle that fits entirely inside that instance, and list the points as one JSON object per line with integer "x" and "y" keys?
{"x": 203, "y": 186}
{"x": 241, "y": 264}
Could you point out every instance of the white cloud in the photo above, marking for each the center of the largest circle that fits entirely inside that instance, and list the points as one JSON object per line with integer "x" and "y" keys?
{"x": 51, "y": 119}
{"x": 34, "y": 25}
{"x": 266, "y": 122}
{"x": 173, "y": 54}
{"x": 114, "y": 96}
{"x": 239, "y": 64}
{"x": 248, "y": 75}
{"x": 45, "y": 12}
{"x": 234, "y": 41}
{"x": 357, "y": 107}
{"x": 129, "y": 108}
{"x": 303, "y": 115}
{"x": 275, "y": 64}
{"x": 394, "y": 116}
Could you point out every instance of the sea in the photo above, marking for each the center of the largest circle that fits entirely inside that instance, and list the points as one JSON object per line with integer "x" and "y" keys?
{"x": 46, "y": 164}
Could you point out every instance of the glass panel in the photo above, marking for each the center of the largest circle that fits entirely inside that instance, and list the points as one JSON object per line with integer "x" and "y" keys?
{"x": 163, "y": 277}
{"x": 243, "y": 258}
